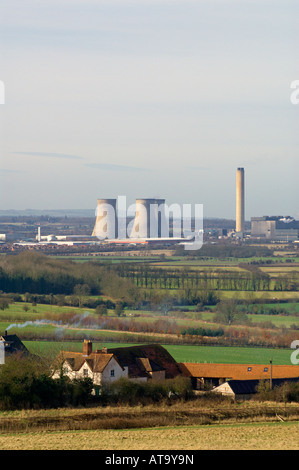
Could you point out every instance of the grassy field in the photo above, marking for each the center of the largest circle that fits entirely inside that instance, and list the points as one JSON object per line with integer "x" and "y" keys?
{"x": 16, "y": 314}
{"x": 15, "y": 319}
{"x": 210, "y": 354}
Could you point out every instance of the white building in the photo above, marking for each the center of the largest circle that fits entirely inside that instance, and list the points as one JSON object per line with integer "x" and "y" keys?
{"x": 138, "y": 363}
{"x": 99, "y": 366}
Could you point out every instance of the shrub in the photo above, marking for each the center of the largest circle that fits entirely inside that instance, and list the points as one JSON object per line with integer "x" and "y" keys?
{"x": 25, "y": 383}
{"x": 133, "y": 392}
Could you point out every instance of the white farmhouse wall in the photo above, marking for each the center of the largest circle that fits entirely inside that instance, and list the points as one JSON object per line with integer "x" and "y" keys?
{"x": 97, "y": 377}
{"x": 85, "y": 371}
{"x": 66, "y": 370}
{"x": 118, "y": 373}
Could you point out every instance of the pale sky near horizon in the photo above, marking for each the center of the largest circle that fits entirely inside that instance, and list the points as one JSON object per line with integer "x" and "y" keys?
{"x": 149, "y": 98}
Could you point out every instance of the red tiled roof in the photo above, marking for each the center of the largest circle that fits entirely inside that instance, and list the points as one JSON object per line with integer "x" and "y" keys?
{"x": 238, "y": 371}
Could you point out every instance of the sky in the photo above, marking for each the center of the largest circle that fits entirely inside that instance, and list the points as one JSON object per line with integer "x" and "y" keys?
{"x": 149, "y": 98}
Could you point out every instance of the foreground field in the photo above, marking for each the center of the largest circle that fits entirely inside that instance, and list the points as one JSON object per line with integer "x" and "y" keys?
{"x": 257, "y": 436}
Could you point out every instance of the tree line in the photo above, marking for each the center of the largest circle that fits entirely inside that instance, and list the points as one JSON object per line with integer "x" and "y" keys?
{"x": 39, "y": 274}
{"x": 253, "y": 279}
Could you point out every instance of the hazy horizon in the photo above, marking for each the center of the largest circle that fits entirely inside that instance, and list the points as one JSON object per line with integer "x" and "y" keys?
{"x": 149, "y": 98}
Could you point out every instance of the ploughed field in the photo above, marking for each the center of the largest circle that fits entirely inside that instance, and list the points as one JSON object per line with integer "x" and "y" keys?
{"x": 191, "y": 425}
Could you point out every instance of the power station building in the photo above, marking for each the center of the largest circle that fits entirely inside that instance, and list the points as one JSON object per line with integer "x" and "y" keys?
{"x": 152, "y": 223}
{"x": 276, "y": 228}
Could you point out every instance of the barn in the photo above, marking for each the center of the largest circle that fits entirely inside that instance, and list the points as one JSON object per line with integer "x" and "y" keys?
{"x": 246, "y": 389}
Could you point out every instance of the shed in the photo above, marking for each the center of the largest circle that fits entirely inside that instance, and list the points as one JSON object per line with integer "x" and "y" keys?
{"x": 245, "y": 389}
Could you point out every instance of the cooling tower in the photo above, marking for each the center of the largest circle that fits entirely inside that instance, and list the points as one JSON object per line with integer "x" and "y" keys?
{"x": 149, "y": 218}
{"x": 158, "y": 223}
{"x": 106, "y": 221}
{"x": 240, "y": 211}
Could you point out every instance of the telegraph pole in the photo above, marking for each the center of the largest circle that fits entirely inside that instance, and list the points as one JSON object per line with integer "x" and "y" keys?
{"x": 271, "y": 374}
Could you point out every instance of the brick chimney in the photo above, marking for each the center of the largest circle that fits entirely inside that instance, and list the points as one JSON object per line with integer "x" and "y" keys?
{"x": 87, "y": 347}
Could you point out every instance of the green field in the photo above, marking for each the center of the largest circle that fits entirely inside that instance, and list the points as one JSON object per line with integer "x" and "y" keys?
{"x": 210, "y": 354}
{"x": 15, "y": 315}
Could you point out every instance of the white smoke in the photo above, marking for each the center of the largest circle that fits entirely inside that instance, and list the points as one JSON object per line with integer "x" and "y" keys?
{"x": 35, "y": 322}
{"x": 76, "y": 322}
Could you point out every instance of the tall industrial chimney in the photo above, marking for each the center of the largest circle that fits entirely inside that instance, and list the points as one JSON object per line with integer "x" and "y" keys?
{"x": 240, "y": 203}
{"x": 106, "y": 221}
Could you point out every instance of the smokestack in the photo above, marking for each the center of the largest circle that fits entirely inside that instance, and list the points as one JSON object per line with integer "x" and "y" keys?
{"x": 106, "y": 221}
{"x": 240, "y": 205}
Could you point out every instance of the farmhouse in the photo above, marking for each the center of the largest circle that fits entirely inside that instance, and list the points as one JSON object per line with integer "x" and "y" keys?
{"x": 11, "y": 344}
{"x": 147, "y": 362}
{"x": 98, "y": 365}
{"x": 245, "y": 389}
{"x": 141, "y": 363}
{"x": 206, "y": 376}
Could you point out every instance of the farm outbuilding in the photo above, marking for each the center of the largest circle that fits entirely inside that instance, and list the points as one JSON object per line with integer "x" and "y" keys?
{"x": 207, "y": 376}
{"x": 9, "y": 345}
{"x": 246, "y": 389}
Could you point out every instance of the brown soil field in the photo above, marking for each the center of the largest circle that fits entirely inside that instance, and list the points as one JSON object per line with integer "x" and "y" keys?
{"x": 196, "y": 424}
{"x": 253, "y": 436}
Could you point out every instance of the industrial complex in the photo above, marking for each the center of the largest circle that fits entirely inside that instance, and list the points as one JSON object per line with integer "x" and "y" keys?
{"x": 154, "y": 224}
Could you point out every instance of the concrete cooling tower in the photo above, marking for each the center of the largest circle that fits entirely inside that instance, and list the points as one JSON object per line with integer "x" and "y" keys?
{"x": 106, "y": 221}
{"x": 149, "y": 219}
{"x": 240, "y": 210}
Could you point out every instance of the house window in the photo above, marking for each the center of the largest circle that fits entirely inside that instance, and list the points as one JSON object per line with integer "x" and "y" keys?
{"x": 112, "y": 373}
{"x": 249, "y": 369}
{"x": 85, "y": 372}
{"x": 266, "y": 369}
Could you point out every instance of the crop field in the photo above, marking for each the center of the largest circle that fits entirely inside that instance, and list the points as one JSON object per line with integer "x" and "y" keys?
{"x": 244, "y": 436}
